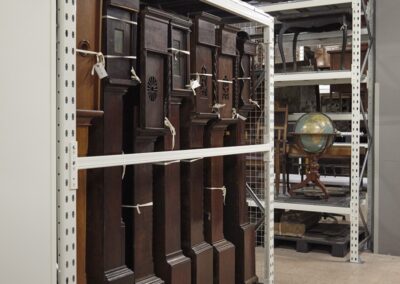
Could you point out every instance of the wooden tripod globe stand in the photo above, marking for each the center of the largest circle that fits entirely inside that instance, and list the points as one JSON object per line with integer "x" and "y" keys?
{"x": 312, "y": 176}
{"x": 314, "y": 133}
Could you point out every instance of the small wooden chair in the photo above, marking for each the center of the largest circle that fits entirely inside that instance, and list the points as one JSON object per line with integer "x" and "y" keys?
{"x": 280, "y": 141}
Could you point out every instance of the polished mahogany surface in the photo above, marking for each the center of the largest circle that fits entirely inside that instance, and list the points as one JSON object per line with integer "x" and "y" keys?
{"x": 105, "y": 229}
{"x": 88, "y": 23}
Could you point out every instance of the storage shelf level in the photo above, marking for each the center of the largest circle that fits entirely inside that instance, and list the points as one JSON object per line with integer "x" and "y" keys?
{"x": 334, "y": 116}
{"x": 312, "y": 78}
{"x": 302, "y": 4}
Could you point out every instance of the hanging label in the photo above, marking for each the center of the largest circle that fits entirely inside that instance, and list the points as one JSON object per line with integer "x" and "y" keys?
{"x": 134, "y": 76}
{"x": 194, "y": 84}
{"x": 100, "y": 70}
{"x": 236, "y": 115}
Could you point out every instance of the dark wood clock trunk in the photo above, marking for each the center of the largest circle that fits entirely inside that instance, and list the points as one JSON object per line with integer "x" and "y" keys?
{"x": 237, "y": 227}
{"x": 225, "y": 94}
{"x": 196, "y": 112}
{"x": 144, "y": 125}
{"x": 170, "y": 262}
{"x": 105, "y": 229}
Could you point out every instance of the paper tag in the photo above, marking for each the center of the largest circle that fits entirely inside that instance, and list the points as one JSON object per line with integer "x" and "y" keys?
{"x": 134, "y": 76}
{"x": 100, "y": 70}
{"x": 236, "y": 115}
{"x": 194, "y": 84}
{"x": 224, "y": 193}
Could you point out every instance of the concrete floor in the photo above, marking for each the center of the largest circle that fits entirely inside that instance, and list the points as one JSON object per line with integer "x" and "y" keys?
{"x": 319, "y": 267}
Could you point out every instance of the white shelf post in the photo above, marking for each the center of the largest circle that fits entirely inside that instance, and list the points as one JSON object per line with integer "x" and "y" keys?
{"x": 269, "y": 176}
{"x": 355, "y": 127}
{"x": 66, "y": 141}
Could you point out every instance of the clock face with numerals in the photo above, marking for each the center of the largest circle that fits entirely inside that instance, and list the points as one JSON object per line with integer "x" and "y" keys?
{"x": 152, "y": 88}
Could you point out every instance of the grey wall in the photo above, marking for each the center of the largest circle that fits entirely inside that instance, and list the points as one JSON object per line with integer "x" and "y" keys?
{"x": 27, "y": 143}
{"x": 387, "y": 206}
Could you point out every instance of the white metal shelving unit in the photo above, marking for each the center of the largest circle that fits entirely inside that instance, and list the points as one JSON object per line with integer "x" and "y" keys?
{"x": 352, "y": 77}
{"x": 68, "y": 163}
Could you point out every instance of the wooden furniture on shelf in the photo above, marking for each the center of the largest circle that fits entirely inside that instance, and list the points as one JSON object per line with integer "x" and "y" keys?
{"x": 335, "y": 152}
{"x": 237, "y": 227}
{"x": 106, "y": 231}
{"x": 345, "y": 90}
{"x": 313, "y": 24}
{"x": 280, "y": 141}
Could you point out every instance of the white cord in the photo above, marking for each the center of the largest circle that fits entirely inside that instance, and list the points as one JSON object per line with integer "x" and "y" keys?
{"x": 134, "y": 76}
{"x": 225, "y": 81}
{"x": 88, "y": 52}
{"x": 119, "y": 57}
{"x": 118, "y": 19}
{"x": 236, "y": 115}
{"x": 254, "y": 103}
{"x": 172, "y": 129}
{"x": 201, "y": 74}
{"x": 138, "y": 206}
{"x": 223, "y": 189}
{"x": 123, "y": 168}
{"x": 217, "y": 107}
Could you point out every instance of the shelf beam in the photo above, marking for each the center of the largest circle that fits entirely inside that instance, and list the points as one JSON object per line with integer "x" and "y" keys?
{"x": 86, "y": 163}
{"x": 312, "y": 208}
{"x": 312, "y": 78}
{"x": 243, "y": 10}
{"x": 295, "y": 5}
{"x": 334, "y": 116}
{"x": 306, "y": 207}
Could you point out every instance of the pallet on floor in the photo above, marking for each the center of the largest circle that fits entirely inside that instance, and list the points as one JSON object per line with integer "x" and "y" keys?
{"x": 332, "y": 237}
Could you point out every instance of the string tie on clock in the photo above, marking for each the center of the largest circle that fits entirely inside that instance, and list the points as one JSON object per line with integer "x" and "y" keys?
{"x": 223, "y": 189}
{"x": 171, "y": 128}
{"x": 236, "y": 115}
{"x": 255, "y": 103}
{"x": 138, "y": 206}
{"x": 217, "y": 107}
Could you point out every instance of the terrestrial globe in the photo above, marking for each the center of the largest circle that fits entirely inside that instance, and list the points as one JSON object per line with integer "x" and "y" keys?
{"x": 314, "y": 132}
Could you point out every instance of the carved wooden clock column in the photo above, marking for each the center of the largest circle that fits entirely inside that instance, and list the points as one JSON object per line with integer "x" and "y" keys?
{"x": 106, "y": 232}
{"x": 147, "y": 119}
{"x": 215, "y": 190}
{"x": 87, "y": 103}
{"x": 196, "y": 112}
{"x": 170, "y": 263}
{"x": 237, "y": 227}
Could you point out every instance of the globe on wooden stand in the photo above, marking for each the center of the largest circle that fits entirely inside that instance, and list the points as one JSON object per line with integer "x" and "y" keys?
{"x": 314, "y": 133}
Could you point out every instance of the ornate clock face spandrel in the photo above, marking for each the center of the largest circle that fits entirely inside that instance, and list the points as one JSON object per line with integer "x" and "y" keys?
{"x": 152, "y": 88}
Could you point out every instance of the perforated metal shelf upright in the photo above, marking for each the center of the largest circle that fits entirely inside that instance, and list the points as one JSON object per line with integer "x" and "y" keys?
{"x": 68, "y": 163}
